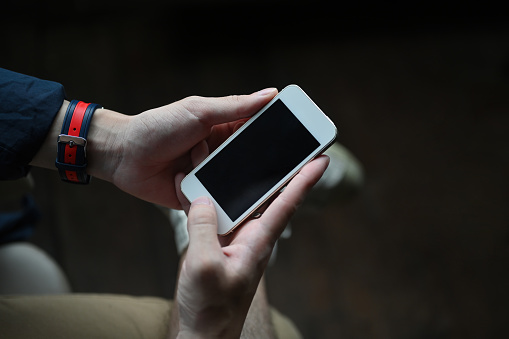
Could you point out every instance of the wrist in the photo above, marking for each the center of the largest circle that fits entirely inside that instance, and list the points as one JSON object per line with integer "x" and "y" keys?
{"x": 208, "y": 335}
{"x": 105, "y": 143}
{"x": 221, "y": 324}
{"x": 186, "y": 335}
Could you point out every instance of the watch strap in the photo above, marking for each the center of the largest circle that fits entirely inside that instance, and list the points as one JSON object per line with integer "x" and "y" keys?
{"x": 71, "y": 143}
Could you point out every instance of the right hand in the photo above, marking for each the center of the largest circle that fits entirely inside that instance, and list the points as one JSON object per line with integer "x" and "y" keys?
{"x": 217, "y": 281}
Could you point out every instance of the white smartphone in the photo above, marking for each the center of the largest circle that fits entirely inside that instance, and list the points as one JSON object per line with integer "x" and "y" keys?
{"x": 260, "y": 158}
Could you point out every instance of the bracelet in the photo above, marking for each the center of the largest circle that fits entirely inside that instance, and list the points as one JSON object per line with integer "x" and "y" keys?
{"x": 72, "y": 142}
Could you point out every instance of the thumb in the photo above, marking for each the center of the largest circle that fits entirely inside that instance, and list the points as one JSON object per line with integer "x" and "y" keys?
{"x": 202, "y": 226}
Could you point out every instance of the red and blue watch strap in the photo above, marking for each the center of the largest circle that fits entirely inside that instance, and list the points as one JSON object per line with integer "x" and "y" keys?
{"x": 71, "y": 152}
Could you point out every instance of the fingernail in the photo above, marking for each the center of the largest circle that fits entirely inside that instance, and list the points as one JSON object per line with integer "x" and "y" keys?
{"x": 267, "y": 91}
{"x": 202, "y": 201}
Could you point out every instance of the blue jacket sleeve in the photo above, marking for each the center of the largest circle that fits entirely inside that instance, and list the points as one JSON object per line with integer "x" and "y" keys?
{"x": 28, "y": 107}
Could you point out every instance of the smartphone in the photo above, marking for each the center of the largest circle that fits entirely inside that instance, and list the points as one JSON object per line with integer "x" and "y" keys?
{"x": 260, "y": 158}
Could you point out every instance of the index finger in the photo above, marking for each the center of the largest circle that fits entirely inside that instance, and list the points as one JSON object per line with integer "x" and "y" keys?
{"x": 214, "y": 111}
{"x": 280, "y": 211}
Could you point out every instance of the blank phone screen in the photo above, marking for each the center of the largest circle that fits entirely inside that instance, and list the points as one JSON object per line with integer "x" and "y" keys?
{"x": 257, "y": 159}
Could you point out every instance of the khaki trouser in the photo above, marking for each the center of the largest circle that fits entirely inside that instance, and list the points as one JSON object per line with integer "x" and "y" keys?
{"x": 75, "y": 316}
{"x": 95, "y": 316}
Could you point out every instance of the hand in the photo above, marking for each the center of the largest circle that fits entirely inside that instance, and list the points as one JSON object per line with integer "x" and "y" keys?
{"x": 217, "y": 282}
{"x": 159, "y": 143}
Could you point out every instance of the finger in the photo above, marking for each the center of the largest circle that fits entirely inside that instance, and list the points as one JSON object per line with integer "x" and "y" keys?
{"x": 213, "y": 111}
{"x": 184, "y": 203}
{"x": 202, "y": 228}
{"x": 262, "y": 233}
{"x": 204, "y": 257}
{"x": 199, "y": 153}
{"x": 222, "y": 132}
{"x": 238, "y": 125}
{"x": 279, "y": 213}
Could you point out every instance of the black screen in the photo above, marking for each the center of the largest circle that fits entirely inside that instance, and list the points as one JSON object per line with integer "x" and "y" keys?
{"x": 257, "y": 159}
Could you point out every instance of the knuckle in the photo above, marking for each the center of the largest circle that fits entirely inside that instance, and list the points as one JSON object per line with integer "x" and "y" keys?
{"x": 235, "y": 102}
{"x": 290, "y": 204}
{"x": 208, "y": 271}
{"x": 202, "y": 217}
{"x": 191, "y": 100}
{"x": 194, "y": 105}
{"x": 234, "y": 99}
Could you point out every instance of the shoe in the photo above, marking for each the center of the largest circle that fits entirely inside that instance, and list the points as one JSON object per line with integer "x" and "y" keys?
{"x": 178, "y": 220}
{"x": 341, "y": 181}
{"x": 24, "y": 268}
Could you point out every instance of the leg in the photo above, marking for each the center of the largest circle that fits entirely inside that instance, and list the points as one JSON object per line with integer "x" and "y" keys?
{"x": 25, "y": 269}
{"x": 83, "y": 316}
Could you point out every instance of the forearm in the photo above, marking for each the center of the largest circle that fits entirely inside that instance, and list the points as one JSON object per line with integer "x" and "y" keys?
{"x": 258, "y": 322}
{"x": 104, "y": 142}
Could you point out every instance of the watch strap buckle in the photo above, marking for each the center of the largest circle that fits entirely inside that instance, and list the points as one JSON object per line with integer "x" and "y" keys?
{"x": 71, "y": 140}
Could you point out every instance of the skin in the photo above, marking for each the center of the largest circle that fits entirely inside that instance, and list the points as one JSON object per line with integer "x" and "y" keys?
{"x": 218, "y": 280}
{"x": 147, "y": 156}
{"x": 142, "y": 154}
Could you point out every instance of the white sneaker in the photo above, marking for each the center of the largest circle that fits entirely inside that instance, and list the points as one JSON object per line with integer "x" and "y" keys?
{"x": 178, "y": 220}
{"x": 342, "y": 179}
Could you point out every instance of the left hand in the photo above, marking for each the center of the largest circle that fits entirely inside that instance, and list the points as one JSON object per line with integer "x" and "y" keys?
{"x": 157, "y": 144}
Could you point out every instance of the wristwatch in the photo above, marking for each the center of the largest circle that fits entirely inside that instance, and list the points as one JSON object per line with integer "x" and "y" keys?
{"x": 72, "y": 142}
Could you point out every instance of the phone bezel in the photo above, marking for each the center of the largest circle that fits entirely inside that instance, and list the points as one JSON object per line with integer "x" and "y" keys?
{"x": 308, "y": 113}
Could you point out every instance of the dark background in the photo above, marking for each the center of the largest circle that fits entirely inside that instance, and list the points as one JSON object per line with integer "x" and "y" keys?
{"x": 419, "y": 94}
